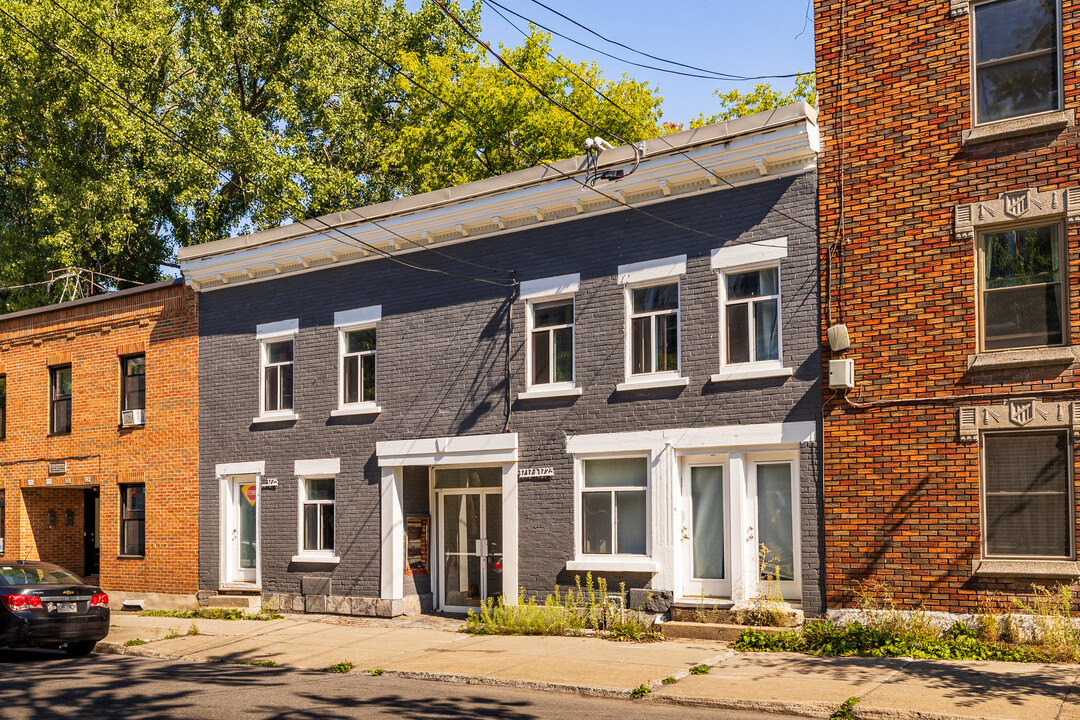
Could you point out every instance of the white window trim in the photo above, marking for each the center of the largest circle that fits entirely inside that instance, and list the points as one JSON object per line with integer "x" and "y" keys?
{"x": 359, "y": 319}
{"x": 268, "y": 333}
{"x": 552, "y": 389}
{"x": 328, "y": 557}
{"x": 974, "y": 99}
{"x": 755, "y": 368}
{"x": 655, "y": 379}
{"x": 550, "y": 288}
{"x": 613, "y": 562}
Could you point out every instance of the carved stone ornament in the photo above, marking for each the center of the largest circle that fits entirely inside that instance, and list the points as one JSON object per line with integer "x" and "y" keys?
{"x": 958, "y": 8}
{"x": 1016, "y": 205}
{"x": 1016, "y": 414}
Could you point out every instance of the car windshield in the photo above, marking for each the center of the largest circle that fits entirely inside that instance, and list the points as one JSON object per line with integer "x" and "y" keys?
{"x": 36, "y": 575}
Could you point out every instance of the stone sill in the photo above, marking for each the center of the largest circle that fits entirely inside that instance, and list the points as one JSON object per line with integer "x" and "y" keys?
{"x": 1063, "y": 569}
{"x": 371, "y": 409}
{"x": 316, "y": 559}
{"x": 1014, "y": 127}
{"x": 652, "y": 384}
{"x": 283, "y": 417}
{"x": 752, "y": 373}
{"x": 614, "y": 565}
{"x": 1034, "y": 357}
{"x": 130, "y": 557}
{"x": 541, "y": 393}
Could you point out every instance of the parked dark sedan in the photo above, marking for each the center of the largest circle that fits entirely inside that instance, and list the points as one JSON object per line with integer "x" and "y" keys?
{"x": 44, "y": 605}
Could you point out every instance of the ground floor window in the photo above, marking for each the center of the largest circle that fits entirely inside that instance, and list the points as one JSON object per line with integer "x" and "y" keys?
{"x": 613, "y": 505}
{"x": 318, "y": 515}
{"x": 133, "y": 520}
{"x": 1027, "y": 496}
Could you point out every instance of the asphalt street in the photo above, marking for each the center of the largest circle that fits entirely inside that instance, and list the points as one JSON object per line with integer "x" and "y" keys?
{"x": 45, "y": 684}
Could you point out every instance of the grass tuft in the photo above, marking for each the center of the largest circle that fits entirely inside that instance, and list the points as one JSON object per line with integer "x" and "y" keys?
{"x": 699, "y": 670}
{"x": 134, "y": 641}
{"x": 342, "y": 667}
{"x": 639, "y": 692}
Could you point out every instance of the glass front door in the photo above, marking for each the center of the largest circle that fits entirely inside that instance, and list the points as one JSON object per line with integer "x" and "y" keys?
{"x": 243, "y": 530}
{"x": 471, "y": 547}
{"x": 704, "y": 537}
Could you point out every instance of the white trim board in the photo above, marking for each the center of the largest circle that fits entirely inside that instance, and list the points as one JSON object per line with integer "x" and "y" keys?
{"x": 358, "y": 316}
{"x": 550, "y": 287}
{"x": 485, "y": 449}
{"x": 310, "y": 468}
{"x": 719, "y": 437}
{"x": 280, "y": 328}
{"x": 255, "y": 467}
{"x": 659, "y": 269}
{"x": 759, "y": 251}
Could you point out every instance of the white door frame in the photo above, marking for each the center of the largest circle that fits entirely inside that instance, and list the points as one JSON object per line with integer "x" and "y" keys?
{"x": 229, "y": 477}
{"x": 440, "y": 549}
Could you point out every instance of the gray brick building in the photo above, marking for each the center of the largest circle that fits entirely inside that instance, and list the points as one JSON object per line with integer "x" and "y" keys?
{"x": 507, "y": 384}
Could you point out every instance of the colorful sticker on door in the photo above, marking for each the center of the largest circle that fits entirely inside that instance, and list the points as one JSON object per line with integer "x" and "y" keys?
{"x": 249, "y": 493}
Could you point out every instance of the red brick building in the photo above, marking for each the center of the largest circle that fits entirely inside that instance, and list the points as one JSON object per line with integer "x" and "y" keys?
{"x": 100, "y": 434}
{"x": 949, "y": 195}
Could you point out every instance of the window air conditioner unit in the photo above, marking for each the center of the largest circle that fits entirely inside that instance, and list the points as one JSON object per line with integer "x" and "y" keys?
{"x": 132, "y": 417}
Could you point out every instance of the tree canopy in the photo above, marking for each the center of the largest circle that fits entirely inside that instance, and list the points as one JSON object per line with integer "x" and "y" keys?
{"x": 280, "y": 112}
{"x": 763, "y": 97}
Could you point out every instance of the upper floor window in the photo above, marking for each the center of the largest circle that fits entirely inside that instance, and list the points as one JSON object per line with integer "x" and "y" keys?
{"x": 1017, "y": 59}
{"x": 277, "y": 341}
{"x": 1021, "y": 287}
{"x": 60, "y": 399}
{"x": 551, "y": 342}
{"x": 357, "y": 347}
{"x": 654, "y": 329}
{"x": 133, "y": 389}
{"x": 277, "y": 375}
{"x": 752, "y": 316}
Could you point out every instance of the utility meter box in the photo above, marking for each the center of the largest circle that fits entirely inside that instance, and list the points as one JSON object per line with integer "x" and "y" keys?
{"x": 842, "y": 374}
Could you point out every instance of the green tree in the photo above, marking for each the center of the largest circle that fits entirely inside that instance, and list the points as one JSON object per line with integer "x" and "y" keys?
{"x": 763, "y": 97}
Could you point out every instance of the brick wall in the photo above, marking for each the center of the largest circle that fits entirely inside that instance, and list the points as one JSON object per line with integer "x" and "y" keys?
{"x": 442, "y": 345}
{"x": 901, "y": 493}
{"x": 163, "y": 455}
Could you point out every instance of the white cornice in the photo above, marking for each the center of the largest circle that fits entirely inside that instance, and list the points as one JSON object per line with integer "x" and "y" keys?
{"x": 764, "y": 152}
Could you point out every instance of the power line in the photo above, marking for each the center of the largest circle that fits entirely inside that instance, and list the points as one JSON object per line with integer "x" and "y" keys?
{"x": 722, "y": 75}
{"x": 174, "y": 137}
{"x": 624, "y": 111}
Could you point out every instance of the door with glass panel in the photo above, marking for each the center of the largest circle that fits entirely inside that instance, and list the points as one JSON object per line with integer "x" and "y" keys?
{"x": 705, "y": 527}
{"x": 242, "y": 530}
{"x": 469, "y": 502}
{"x": 777, "y": 539}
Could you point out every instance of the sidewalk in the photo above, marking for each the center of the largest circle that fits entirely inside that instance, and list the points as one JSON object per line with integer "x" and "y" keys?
{"x": 431, "y": 648}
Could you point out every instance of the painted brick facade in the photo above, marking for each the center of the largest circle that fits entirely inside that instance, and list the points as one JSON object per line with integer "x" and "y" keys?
{"x": 441, "y": 372}
{"x": 45, "y": 513}
{"x": 902, "y": 493}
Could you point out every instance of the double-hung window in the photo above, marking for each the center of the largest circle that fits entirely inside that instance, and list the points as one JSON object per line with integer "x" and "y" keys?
{"x": 550, "y": 316}
{"x": 1027, "y": 494}
{"x": 357, "y": 351}
{"x": 1017, "y": 60}
{"x": 133, "y": 520}
{"x": 1021, "y": 286}
{"x": 614, "y": 518}
{"x": 277, "y": 344}
{"x": 317, "y": 511}
{"x": 653, "y": 335}
{"x": 60, "y": 400}
{"x": 133, "y": 389}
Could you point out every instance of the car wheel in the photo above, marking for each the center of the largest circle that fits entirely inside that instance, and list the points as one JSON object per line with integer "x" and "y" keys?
{"x": 78, "y": 649}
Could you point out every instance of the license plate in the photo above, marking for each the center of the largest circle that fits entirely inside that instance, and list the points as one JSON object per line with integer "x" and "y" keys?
{"x": 66, "y": 607}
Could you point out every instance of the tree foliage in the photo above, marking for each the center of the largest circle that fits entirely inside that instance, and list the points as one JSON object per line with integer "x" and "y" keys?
{"x": 299, "y": 119}
{"x": 736, "y": 103}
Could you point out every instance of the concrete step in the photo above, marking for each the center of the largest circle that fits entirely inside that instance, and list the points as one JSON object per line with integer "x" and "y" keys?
{"x": 723, "y": 632}
{"x": 244, "y": 602}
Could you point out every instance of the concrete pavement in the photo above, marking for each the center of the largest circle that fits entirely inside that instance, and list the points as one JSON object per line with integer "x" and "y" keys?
{"x": 432, "y": 648}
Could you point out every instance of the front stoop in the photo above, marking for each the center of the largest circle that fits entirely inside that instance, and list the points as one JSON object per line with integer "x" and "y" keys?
{"x": 239, "y": 597}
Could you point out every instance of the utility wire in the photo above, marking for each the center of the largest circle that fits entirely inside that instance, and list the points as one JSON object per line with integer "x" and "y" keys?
{"x": 721, "y": 75}
{"x": 173, "y": 136}
{"x": 626, "y": 112}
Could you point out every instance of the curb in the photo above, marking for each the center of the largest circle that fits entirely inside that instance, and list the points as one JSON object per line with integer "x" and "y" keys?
{"x": 805, "y": 709}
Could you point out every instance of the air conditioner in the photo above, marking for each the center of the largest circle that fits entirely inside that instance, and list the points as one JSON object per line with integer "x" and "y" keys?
{"x": 132, "y": 417}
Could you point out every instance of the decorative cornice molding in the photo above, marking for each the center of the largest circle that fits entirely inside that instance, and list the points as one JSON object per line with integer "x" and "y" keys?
{"x": 1017, "y": 205}
{"x": 1015, "y": 414}
{"x": 959, "y": 8}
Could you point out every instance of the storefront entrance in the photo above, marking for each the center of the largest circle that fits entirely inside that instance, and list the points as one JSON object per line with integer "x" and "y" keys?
{"x": 470, "y": 549}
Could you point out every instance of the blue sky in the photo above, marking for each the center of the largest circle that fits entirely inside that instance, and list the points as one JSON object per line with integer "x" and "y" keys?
{"x": 734, "y": 36}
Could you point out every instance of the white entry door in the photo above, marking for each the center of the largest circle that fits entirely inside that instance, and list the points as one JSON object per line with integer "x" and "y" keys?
{"x": 242, "y": 529}
{"x": 470, "y": 547}
{"x": 706, "y": 522}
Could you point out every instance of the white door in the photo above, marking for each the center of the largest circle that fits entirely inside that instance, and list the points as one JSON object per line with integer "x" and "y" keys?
{"x": 470, "y": 547}
{"x": 706, "y": 519}
{"x": 242, "y": 529}
{"x": 779, "y": 556}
